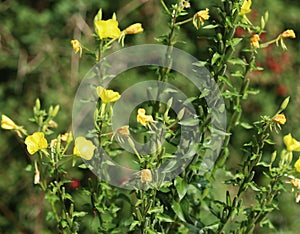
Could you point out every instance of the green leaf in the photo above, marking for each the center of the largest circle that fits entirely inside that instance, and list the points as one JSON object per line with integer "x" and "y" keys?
{"x": 245, "y": 125}
{"x": 233, "y": 42}
{"x": 181, "y": 187}
{"x": 200, "y": 63}
{"x": 253, "y": 91}
{"x": 264, "y": 164}
{"x": 170, "y": 166}
{"x": 189, "y": 122}
{"x": 156, "y": 210}
{"x": 210, "y": 26}
{"x": 150, "y": 230}
{"x": 269, "y": 141}
{"x": 164, "y": 218}
{"x": 225, "y": 79}
{"x": 79, "y": 214}
{"x": 133, "y": 224}
{"x": 205, "y": 93}
{"x": 215, "y": 58}
{"x": 228, "y": 199}
{"x": 254, "y": 186}
{"x": 178, "y": 211}
{"x": 237, "y": 61}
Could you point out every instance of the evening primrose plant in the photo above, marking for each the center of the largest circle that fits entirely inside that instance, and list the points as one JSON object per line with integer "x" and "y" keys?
{"x": 214, "y": 200}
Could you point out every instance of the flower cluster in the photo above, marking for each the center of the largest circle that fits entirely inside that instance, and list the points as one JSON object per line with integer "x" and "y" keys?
{"x": 200, "y": 17}
{"x": 107, "y": 29}
{"x": 142, "y": 118}
{"x": 107, "y": 95}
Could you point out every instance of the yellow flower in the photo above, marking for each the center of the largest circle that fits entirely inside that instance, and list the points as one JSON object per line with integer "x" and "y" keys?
{"x": 77, "y": 47}
{"x": 8, "y": 124}
{"x": 67, "y": 137}
{"x": 245, "y": 9}
{"x": 255, "y": 41}
{"x": 201, "y": 16}
{"x": 107, "y": 28}
{"x": 295, "y": 182}
{"x": 134, "y": 29}
{"x": 146, "y": 176}
{"x": 291, "y": 143}
{"x": 279, "y": 119}
{"x": 124, "y": 130}
{"x": 142, "y": 118}
{"x": 84, "y": 148}
{"x": 52, "y": 124}
{"x": 107, "y": 95}
{"x": 288, "y": 34}
{"x": 297, "y": 165}
{"x": 297, "y": 197}
{"x": 36, "y": 142}
{"x": 53, "y": 143}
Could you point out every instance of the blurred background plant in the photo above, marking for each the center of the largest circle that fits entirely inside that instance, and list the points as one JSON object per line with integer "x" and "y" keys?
{"x": 37, "y": 61}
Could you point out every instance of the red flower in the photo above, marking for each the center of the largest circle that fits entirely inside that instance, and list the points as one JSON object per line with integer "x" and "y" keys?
{"x": 239, "y": 32}
{"x": 281, "y": 90}
{"x": 274, "y": 65}
{"x": 285, "y": 57}
{"x": 254, "y": 14}
{"x": 75, "y": 183}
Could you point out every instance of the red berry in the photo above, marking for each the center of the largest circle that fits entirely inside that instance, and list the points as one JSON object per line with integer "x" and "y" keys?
{"x": 75, "y": 183}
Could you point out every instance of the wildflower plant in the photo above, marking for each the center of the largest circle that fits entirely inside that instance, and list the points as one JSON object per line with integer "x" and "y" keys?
{"x": 164, "y": 182}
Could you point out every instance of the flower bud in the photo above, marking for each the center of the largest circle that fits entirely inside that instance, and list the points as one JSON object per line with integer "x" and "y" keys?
{"x": 146, "y": 176}
{"x": 76, "y": 47}
{"x": 255, "y": 41}
{"x": 288, "y": 34}
{"x": 279, "y": 119}
{"x": 134, "y": 29}
{"x": 285, "y": 103}
{"x": 273, "y": 157}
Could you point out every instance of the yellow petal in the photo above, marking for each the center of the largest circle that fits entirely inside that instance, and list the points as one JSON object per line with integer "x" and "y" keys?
{"x": 279, "y": 119}
{"x": 297, "y": 165}
{"x": 84, "y": 148}
{"x": 146, "y": 176}
{"x": 76, "y": 47}
{"x": 291, "y": 143}
{"x": 142, "y": 118}
{"x": 8, "y": 124}
{"x": 288, "y": 34}
{"x": 202, "y": 16}
{"x": 36, "y": 142}
{"x": 134, "y": 29}
{"x": 245, "y": 9}
{"x": 124, "y": 131}
{"x": 107, "y": 28}
{"x": 107, "y": 95}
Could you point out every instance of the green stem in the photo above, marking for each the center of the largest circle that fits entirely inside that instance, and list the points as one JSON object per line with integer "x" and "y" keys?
{"x": 184, "y": 21}
{"x": 250, "y": 163}
{"x": 164, "y": 6}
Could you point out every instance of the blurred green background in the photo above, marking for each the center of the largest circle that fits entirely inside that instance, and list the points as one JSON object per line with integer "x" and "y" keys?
{"x": 37, "y": 61}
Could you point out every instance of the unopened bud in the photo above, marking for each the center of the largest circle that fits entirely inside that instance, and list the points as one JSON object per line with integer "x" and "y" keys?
{"x": 285, "y": 103}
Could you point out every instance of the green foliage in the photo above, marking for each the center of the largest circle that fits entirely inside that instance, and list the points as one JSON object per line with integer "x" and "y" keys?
{"x": 242, "y": 192}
